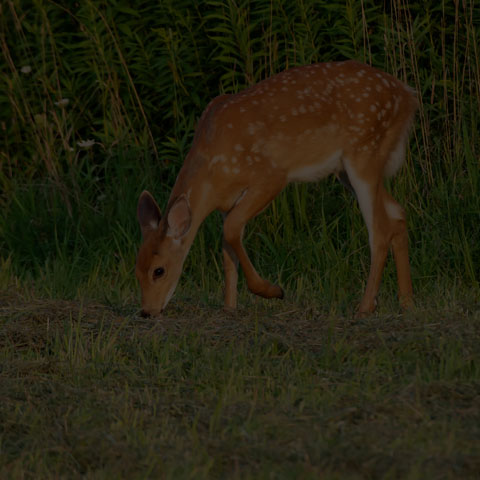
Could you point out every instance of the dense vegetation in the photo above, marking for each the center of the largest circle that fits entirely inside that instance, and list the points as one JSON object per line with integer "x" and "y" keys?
{"x": 136, "y": 78}
{"x": 99, "y": 100}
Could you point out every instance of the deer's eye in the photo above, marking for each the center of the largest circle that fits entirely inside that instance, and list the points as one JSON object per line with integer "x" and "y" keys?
{"x": 158, "y": 272}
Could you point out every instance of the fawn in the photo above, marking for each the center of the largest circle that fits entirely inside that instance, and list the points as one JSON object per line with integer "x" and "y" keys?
{"x": 342, "y": 118}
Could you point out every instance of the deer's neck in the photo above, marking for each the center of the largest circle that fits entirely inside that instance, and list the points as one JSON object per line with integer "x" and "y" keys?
{"x": 192, "y": 181}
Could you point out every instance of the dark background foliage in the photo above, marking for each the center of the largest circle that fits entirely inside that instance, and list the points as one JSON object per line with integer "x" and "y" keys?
{"x": 137, "y": 76}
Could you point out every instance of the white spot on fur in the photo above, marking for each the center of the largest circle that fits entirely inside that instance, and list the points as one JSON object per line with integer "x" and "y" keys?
{"x": 257, "y": 146}
{"x": 238, "y": 148}
{"x": 216, "y": 159}
{"x": 354, "y": 128}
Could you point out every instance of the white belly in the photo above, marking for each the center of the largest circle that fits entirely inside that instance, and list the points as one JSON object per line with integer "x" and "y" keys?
{"x": 316, "y": 171}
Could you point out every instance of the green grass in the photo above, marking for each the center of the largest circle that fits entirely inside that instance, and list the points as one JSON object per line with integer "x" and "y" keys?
{"x": 279, "y": 390}
{"x": 270, "y": 392}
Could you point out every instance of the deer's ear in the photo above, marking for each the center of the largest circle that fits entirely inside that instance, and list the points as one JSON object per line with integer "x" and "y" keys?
{"x": 148, "y": 213}
{"x": 179, "y": 218}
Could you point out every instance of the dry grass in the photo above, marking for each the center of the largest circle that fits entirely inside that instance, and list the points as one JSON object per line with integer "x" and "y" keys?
{"x": 88, "y": 391}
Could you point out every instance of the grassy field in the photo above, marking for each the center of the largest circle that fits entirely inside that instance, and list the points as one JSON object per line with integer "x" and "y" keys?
{"x": 93, "y": 391}
{"x": 98, "y": 101}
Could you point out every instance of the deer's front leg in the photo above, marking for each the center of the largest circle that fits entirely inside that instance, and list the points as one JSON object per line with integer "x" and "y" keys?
{"x": 230, "y": 267}
{"x": 234, "y": 224}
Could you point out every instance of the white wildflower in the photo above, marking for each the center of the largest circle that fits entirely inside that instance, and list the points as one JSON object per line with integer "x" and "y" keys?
{"x": 40, "y": 119}
{"x": 26, "y": 69}
{"x": 62, "y": 102}
{"x": 86, "y": 143}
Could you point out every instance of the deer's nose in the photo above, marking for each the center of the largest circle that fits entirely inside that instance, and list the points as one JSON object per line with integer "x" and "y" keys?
{"x": 144, "y": 314}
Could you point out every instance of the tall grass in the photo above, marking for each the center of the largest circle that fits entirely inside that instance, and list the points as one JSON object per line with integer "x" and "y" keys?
{"x": 134, "y": 78}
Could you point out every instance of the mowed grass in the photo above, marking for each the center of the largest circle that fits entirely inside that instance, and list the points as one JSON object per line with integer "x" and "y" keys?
{"x": 276, "y": 390}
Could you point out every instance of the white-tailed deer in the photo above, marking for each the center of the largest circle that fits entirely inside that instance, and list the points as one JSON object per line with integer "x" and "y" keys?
{"x": 342, "y": 118}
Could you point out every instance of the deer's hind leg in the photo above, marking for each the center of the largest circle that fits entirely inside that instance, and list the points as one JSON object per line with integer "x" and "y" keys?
{"x": 399, "y": 242}
{"x": 385, "y": 221}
